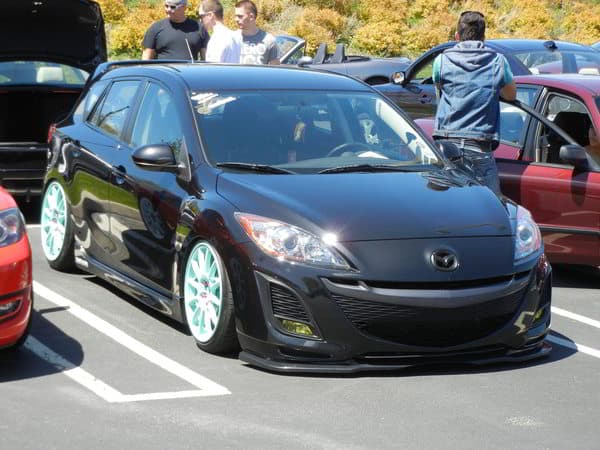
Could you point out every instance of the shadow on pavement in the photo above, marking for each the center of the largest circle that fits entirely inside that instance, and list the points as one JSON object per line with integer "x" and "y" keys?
{"x": 23, "y": 363}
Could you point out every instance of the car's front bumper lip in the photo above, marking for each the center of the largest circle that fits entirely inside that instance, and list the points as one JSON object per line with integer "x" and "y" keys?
{"x": 389, "y": 363}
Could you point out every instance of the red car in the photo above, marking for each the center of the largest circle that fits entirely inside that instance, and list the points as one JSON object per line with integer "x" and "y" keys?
{"x": 544, "y": 166}
{"x": 16, "y": 294}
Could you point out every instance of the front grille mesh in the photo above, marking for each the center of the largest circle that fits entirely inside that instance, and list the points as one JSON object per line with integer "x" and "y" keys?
{"x": 287, "y": 305}
{"x": 426, "y": 326}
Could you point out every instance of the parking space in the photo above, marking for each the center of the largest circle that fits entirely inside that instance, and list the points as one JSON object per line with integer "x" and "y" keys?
{"x": 122, "y": 375}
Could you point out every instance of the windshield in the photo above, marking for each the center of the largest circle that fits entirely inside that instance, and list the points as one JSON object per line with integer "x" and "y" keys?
{"x": 561, "y": 61}
{"x": 308, "y": 131}
{"x": 40, "y": 72}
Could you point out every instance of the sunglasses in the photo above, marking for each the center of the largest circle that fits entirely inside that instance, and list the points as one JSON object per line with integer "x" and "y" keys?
{"x": 172, "y": 7}
{"x": 202, "y": 15}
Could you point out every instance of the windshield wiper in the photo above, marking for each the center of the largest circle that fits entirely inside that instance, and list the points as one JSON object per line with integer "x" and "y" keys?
{"x": 372, "y": 168}
{"x": 264, "y": 168}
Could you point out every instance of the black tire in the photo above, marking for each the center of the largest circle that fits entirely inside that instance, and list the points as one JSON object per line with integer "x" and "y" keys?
{"x": 224, "y": 338}
{"x": 64, "y": 260}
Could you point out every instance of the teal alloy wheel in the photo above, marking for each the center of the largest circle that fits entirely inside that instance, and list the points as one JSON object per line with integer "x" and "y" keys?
{"x": 207, "y": 300}
{"x": 56, "y": 232}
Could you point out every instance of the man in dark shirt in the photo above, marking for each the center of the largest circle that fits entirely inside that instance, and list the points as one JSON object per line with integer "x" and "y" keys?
{"x": 176, "y": 36}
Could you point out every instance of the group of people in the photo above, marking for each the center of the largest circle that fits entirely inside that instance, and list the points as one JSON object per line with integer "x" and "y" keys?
{"x": 181, "y": 38}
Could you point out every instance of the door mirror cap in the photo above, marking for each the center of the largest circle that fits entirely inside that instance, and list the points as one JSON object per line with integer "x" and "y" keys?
{"x": 451, "y": 151}
{"x": 155, "y": 157}
{"x": 305, "y": 61}
{"x": 575, "y": 155}
{"x": 398, "y": 78}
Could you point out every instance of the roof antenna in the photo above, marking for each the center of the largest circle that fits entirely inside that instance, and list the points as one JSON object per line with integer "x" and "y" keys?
{"x": 190, "y": 51}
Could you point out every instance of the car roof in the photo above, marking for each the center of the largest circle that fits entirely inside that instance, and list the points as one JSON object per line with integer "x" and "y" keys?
{"x": 535, "y": 44}
{"x": 208, "y": 76}
{"x": 589, "y": 83}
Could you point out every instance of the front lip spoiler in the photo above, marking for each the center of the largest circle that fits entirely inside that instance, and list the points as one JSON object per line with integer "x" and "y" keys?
{"x": 528, "y": 353}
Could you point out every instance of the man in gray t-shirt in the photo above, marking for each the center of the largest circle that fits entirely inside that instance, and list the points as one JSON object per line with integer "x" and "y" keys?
{"x": 258, "y": 46}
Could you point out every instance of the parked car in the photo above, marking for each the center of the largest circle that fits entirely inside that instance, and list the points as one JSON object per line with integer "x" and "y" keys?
{"x": 544, "y": 167}
{"x": 296, "y": 212}
{"x": 370, "y": 70}
{"x": 48, "y": 50}
{"x": 16, "y": 294}
{"x": 414, "y": 91}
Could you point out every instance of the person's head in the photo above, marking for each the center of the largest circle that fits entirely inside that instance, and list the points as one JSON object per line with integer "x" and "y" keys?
{"x": 210, "y": 12}
{"x": 175, "y": 10}
{"x": 245, "y": 16}
{"x": 471, "y": 26}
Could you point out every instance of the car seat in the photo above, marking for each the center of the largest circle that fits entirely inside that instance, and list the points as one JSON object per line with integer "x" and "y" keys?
{"x": 340, "y": 54}
{"x": 321, "y": 54}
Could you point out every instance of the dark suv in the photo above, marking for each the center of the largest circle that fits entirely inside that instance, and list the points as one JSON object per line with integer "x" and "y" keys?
{"x": 48, "y": 50}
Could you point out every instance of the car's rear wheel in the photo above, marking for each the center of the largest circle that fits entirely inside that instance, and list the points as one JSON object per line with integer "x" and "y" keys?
{"x": 57, "y": 229}
{"x": 208, "y": 300}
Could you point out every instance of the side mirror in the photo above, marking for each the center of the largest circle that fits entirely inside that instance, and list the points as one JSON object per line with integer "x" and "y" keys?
{"x": 305, "y": 61}
{"x": 575, "y": 155}
{"x": 155, "y": 157}
{"x": 398, "y": 78}
{"x": 451, "y": 151}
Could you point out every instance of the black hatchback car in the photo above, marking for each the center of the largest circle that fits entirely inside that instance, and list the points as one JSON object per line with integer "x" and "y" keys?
{"x": 48, "y": 49}
{"x": 296, "y": 213}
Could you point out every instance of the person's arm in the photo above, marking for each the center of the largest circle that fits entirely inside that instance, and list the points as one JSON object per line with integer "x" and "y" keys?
{"x": 149, "y": 53}
{"x": 435, "y": 74}
{"x": 273, "y": 53}
{"x": 509, "y": 90}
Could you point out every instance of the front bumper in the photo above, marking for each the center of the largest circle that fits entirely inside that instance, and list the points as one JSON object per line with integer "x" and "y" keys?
{"x": 366, "y": 326}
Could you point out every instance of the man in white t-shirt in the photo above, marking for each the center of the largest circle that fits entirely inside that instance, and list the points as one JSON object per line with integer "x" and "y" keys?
{"x": 224, "y": 45}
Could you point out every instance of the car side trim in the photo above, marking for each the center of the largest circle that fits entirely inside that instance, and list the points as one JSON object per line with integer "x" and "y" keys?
{"x": 568, "y": 230}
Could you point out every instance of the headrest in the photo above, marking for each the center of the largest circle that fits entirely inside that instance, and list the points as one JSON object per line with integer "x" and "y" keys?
{"x": 49, "y": 74}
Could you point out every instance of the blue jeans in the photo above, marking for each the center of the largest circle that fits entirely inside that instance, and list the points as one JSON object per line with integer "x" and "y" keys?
{"x": 478, "y": 161}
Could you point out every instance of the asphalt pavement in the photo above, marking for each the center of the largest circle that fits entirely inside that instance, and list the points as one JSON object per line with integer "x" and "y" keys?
{"x": 101, "y": 371}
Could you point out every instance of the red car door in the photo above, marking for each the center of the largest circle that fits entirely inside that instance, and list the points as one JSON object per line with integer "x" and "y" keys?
{"x": 564, "y": 201}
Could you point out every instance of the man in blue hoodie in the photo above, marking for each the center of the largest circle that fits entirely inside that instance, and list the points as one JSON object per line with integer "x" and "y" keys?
{"x": 470, "y": 79}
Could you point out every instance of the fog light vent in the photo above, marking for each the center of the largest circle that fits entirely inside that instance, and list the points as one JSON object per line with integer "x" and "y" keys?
{"x": 286, "y": 305}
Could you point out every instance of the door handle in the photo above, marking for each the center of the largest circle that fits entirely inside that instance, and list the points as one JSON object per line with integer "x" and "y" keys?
{"x": 119, "y": 174}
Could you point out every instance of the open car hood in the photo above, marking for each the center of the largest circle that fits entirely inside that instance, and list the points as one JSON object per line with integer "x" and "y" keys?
{"x": 64, "y": 31}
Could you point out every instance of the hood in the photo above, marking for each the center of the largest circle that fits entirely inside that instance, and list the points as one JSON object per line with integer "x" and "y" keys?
{"x": 470, "y": 55}
{"x": 63, "y": 31}
{"x": 372, "y": 206}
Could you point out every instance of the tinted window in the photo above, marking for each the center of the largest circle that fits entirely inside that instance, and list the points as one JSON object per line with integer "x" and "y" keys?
{"x": 157, "y": 121}
{"x": 557, "y": 61}
{"x": 86, "y": 105}
{"x": 512, "y": 120}
{"x": 527, "y": 94}
{"x": 112, "y": 114}
{"x": 39, "y": 72}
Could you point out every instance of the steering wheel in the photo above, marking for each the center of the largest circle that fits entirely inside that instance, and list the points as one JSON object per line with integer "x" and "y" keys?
{"x": 347, "y": 147}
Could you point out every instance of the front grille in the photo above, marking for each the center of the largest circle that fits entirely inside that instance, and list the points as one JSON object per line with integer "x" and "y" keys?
{"x": 287, "y": 305}
{"x": 426, "y": 326}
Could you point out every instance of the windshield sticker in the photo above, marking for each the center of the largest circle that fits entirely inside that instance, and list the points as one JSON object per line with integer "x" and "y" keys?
{"x": 207, "y": 102}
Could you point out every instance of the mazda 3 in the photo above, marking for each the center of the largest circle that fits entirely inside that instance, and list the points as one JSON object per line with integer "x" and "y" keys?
{"x": 297, "y": 215}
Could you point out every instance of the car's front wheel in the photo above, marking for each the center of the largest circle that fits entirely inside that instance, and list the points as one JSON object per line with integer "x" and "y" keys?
{"x": 57, "y": 229}
{"x": 208, "y": 300}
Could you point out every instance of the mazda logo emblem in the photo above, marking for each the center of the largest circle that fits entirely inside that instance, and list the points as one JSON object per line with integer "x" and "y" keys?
{"x": 444, "y": 260}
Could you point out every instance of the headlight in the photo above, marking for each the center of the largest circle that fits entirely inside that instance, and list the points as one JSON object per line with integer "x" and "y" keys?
{"x": 290, "y": 243}
{"x": 528, "y": 238}
{"x": 12, "y": 226}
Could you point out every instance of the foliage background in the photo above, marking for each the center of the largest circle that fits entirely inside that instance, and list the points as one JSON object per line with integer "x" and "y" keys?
{"x": 374, "y": 27}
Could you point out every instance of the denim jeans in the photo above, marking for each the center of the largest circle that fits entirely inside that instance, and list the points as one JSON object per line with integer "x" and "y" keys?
{"x": 478, "y": 161}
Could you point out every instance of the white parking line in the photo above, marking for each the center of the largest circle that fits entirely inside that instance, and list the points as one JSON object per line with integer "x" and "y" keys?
{"x": 206, "y": 387}
{"x": 579, "y": 318}
{"x": 575, "y": 346}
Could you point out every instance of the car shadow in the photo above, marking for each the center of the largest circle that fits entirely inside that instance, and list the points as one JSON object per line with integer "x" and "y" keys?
{"x": 558, "y": 353}
{"x": 572, "y": 276}
{"x": 31, "y": 210}
{"x": 25, "y": 362}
